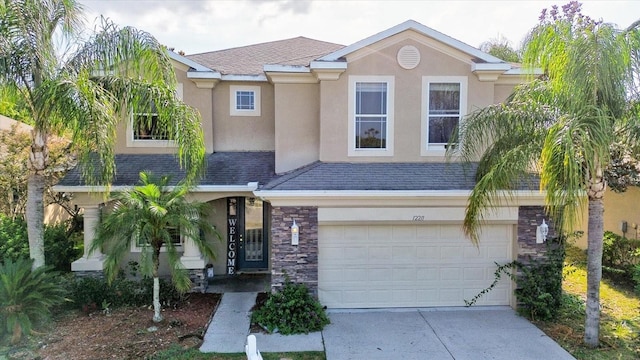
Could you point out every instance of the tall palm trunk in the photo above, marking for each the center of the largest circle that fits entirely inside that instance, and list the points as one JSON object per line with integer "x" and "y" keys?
{"x": 594, "y": 261}
{"x": 157, "y": 316}
{"x": 38, "y": 161}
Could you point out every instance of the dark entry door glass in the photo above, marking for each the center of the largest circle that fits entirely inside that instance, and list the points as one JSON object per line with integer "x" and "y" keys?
{"x": 253, "y": 241}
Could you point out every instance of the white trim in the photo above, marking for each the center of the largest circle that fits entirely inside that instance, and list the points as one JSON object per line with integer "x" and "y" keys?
{"x": 416, "y": 26}
{"x": 490, "y": 67}
{"x": 388, "y": 193}
{"x": 439, "y": 150}
{"x": 337, "y": 65}
{"x": 388, "y": 151}
{"x": 203, "y": 75}
{"x": 233, "y": 105}
{"x": 285, "y": 68}
{"x": 260, "y": 78}
{"x": 252, "y": 186}
{"x": 186, "y": 61}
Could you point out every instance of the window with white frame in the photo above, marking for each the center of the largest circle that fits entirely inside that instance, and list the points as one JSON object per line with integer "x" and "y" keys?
{"x": 244, "y": 100}
{"x": 176, "y": 240}
{"x": 145, "y": 129}
{"x": 371, "y": 109}
{"x": 444, "y": 102}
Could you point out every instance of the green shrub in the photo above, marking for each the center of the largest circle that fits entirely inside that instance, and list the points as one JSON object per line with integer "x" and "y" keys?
{"x": 539, "y": 291}
{"x": 26, "y": 296}
{"x": 620, "y": 257}
{"x": 292, "y": 310}
{"x": 89, "y": 293}
{"x": 539, "y": 283}
{"x": 13, "y": 239}
{"x": 60, "y": 248}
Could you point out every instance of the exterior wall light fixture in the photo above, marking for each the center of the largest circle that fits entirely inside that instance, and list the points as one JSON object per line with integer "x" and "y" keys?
{"x": 542, "y": 232}
{"x": 295, "y": 233}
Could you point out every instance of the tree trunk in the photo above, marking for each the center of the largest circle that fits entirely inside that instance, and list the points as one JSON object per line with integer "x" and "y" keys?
{"x": 35, "y": 219}
{"x": 38, "y": 160}
{"x": 594, "y": 262}
{"x": 157, "y": 316}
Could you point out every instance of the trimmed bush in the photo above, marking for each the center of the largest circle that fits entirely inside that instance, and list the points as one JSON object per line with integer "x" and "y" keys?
{"x": 292, "y": 310}
{"x": 60, "y": 248}
{"x": 92, "y": 293}
{"x": 620, "y": 256}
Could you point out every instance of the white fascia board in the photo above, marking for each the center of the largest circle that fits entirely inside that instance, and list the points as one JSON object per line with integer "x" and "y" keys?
{"x": 490, "y": 67}
{"x": 255, "y": 78}
{"x": 181, "y": 59}
{"x": 286, "y": 68}
{"x": 416, "y": 26}
{"x": 252, "y": 186}
{"x": 329, "y": 65}
{"x": 523, "y": 71}
{"x": 203, "y": 75}
{"x": 386, "y": 193}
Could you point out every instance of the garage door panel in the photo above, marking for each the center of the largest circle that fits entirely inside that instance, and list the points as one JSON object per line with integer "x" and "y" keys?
{"x": 409, "y": 266}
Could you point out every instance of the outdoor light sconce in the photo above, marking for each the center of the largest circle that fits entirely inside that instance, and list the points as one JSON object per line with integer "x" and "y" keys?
{"x": 295, "y": 233}
{"x": 542, "y": 232}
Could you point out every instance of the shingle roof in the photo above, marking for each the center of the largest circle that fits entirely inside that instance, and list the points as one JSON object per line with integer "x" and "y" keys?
{"x": 223, "y": 168}
{"x": 377, "y": 176}
{"x": 385, "y": 176}
{"x": 250, "y": 60}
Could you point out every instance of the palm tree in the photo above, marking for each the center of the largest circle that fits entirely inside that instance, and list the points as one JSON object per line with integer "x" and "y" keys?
{"x": 562, "y": 126}
{"x": 149, "y": 216}
{"x": 85, "y": 94}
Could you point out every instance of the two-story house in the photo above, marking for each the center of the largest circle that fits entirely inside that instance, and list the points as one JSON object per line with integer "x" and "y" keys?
{"x": 327, "y": 163}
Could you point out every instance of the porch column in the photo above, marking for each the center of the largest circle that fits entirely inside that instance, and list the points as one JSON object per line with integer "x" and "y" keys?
{"x": 191, "y": 258}
{"x": 95, "y": 260}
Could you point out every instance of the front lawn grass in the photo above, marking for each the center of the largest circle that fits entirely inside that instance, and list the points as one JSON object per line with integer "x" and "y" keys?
{"x": 178, "y": 353}
{"x": 619, "y": 321}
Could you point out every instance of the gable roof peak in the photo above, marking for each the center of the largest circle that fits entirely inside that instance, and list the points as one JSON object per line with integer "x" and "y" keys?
{"x": 479, "y": 56}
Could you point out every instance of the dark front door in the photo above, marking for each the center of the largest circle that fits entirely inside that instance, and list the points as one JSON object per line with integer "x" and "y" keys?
{"x": 248, "y": 234}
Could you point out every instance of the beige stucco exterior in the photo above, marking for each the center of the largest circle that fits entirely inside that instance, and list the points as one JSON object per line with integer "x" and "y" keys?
{"x": 243, "y": 133}
{"x": 297, "y": 120}
{"x": 335, "y": 118}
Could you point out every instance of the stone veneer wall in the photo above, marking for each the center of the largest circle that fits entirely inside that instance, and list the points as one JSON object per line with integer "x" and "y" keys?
{"x": 299, "y": 262}
{"x": 529, "y": 217}
{"x": 199, "y": 282}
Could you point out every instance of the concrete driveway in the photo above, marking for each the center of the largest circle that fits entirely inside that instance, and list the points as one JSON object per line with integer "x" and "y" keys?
{"x": 443, "y": 333}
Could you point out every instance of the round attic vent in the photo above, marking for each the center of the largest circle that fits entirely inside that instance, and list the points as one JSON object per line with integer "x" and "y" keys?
{"x": 408, "y": 57}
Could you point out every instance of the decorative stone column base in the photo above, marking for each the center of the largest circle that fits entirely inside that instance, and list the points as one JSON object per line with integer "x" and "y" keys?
{"x": 198, "y": 280}
{"x": 88, "y": 264}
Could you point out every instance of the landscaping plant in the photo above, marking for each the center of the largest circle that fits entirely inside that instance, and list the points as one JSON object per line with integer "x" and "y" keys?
{"x": 148, "y": 215}
{"x": 26, "y": 296}
{"x": 291, "y": 310}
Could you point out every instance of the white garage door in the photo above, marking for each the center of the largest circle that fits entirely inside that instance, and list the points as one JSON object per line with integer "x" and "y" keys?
{"x": 410, "y": 265}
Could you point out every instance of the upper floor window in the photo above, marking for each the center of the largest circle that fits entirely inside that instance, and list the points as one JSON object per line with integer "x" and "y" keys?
{"x": 444, "y": 105}
{"x": 244, "y": 100}
{"x": 371, "y": 108}
{"x": 145, "y": 129}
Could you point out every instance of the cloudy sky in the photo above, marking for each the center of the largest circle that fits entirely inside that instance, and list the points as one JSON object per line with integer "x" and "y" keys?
{"x": 196, "y": 26}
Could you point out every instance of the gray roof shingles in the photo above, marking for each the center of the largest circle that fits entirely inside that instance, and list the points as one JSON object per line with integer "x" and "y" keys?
{"x": 250, "y": 60}
{"x": 241, "y": 168}
{"x": 223, "y": 168}
{"x": 377, "y": 176}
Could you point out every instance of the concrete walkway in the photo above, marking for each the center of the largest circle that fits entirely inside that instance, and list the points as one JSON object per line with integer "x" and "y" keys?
{"x": 435, "y": 333}
{"x": 229, "y": 328}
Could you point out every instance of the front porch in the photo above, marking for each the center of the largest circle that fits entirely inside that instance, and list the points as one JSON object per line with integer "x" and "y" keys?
{"x": 257, "y": 282}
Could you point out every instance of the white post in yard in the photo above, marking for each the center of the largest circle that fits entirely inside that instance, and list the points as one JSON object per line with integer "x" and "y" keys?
{"x": 251, "y": 349}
